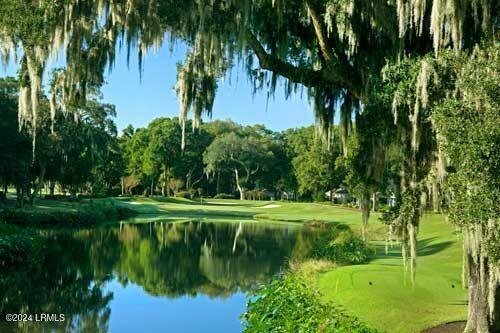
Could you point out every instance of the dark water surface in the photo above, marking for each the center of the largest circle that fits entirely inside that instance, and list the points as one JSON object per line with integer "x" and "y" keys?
{"x": 150, "y": 277}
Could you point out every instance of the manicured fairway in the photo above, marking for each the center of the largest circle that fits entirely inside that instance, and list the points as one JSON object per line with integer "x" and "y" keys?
{"x": 260, "y": 210}
{"x": 391, "y": 302}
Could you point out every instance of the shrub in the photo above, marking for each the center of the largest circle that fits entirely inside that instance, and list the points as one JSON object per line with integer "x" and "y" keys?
{"x": 224, "y": 196}
{"x": 86, "y": 215}
{"x": 19, "y": 246}
{"x": 183, "y": 194}
{"x": 56, "y": 197}
{"x": 339, "y": 244}
{"x": 290, "y": 305}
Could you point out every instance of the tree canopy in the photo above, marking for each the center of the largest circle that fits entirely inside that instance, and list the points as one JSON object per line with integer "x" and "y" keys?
{"x": 386, "y": 66}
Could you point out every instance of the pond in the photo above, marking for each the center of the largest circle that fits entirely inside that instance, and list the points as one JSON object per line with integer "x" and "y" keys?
{"x": 151, "y": 277}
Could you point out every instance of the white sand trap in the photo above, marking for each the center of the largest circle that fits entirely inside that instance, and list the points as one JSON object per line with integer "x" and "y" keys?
{"x": 221, "y": 203}
{"x": 270, "y": 206}
{"x": 133, "y": 202}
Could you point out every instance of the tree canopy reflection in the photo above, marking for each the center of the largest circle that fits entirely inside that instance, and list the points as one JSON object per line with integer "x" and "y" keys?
{"x": 165, "y": 259}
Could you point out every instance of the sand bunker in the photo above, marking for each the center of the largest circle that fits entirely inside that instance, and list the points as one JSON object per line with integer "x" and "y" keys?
{"x": 221, "y": 203}
{"x": 270, "y": 206}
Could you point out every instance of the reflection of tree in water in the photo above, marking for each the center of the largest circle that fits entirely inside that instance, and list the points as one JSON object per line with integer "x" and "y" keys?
{"x": 63, "y": 283}
{"x": 214, "y": 259}
{"x": 166, "y": 259}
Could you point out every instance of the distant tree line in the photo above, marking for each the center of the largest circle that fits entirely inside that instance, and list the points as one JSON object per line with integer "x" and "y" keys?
{"x": 72, "y": 157}
{"x": 224, "y": 159}
{"x": 221, "y": 158}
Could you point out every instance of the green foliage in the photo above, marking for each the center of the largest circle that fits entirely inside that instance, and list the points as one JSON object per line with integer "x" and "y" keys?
{"x": 153, "y": 156}
{"x": 86, "y": 215}
{"x": 313, "y": 169}
{"x": 470, "y": 133}
{"x": 313, "y": 162}
{"x": 184, "y": 194}
{"x": 265, "y": 160}
{"x": 291, "y": 305}
{"x": 341, "y": 245}
{"x": 19, "y": 246}
{"x": 224, "y": 196}
{"x": 389, "y": 215}
{"x": 241, "y": 156}
{"x": 15, "y": 146}
{"x": 81, "y": 156}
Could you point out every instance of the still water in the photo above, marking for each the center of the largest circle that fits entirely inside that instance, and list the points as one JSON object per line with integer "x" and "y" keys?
{"x": 150, "y": 277}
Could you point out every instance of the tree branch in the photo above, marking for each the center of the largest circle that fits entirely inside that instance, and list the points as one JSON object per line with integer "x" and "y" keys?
{"x": 330, "y": 76}
{"x": 332, "y": 51}
{"x": 320, "y": 30}
{"x": 254, "y": 171}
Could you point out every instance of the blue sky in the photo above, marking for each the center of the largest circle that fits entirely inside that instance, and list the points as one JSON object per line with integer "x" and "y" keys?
{"x": 138, "y": 102}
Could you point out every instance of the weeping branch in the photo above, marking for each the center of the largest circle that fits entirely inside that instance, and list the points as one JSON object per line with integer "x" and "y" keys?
{"x": 310, "y": 78}
{"x": 330, "y": 45}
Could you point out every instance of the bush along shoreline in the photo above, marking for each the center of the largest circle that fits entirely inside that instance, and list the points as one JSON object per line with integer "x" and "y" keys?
{"x": 290, "y": 304}
{"x": 340, "y": 245}
{"x": 19, "y": 246}
{"x": 85, "y": 216}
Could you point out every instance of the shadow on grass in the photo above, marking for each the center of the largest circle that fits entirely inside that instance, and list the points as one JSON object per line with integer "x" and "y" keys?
{"x": 426, "y": 247}
{"x": 180, "y": 201}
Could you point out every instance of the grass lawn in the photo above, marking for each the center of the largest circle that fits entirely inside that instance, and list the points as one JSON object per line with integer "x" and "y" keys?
{"x": 391, "y": 302}
{"x": 258, "y": 210}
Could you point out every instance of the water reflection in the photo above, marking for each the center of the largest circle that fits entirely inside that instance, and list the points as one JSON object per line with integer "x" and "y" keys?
{"x": 165, "y": 259}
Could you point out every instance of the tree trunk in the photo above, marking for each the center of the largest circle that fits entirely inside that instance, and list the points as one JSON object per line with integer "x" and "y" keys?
{"x": 240, "y": 188}
{"x": 123, "y": 186}
{"x": 25, "y": 191}
{"x": 412, "y": 233}
{"x": 218, "y": 183}
{"x": 31, "y": 194}
{"x": 435, "y": 196}
{"x": 5, "y": 188}
{"x": 374, "y": 201}
{"x": 52, "y": 188}
{"x": 41, "y": 180}
{"x": 19, "y": 195}
{"x": 484, "y": 285}
{"x": 477, "y": 318}
{"x": 164, "y": 185}
{"x": 364, "y": 205}
{"x": 495, "y": 322}
{"x": 189, "y": 175}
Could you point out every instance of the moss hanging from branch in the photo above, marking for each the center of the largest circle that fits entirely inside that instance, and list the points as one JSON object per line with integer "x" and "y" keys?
{"x": 334, "y": 44}
{"x": 412, "y": 96}
{"x": 88, "y": 32}
{"x": 467, "y": 121}
{"x": 448, "y": 19}
{"x": 197, "y": 78}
